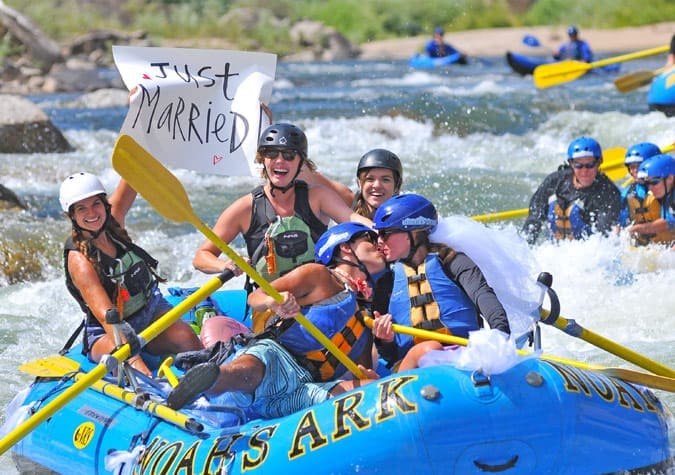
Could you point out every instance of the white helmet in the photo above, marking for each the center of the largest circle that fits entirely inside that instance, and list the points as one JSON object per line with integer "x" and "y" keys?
{"x": 78, "y": 187}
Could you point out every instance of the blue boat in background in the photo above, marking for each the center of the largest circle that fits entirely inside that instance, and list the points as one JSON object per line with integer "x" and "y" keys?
{"x": 424, "y": 61}
{"x": 525, "y": 65}
{"x": 661, "y": 95}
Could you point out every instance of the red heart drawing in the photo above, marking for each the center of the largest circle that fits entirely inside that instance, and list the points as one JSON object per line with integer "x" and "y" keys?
{"x": 145, "y": 76}
{"x": 216, "y": 159}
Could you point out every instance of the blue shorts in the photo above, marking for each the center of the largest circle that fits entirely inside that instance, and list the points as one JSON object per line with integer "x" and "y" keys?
{"x": 286, "y": 386}
{"x": 139, "y": 321}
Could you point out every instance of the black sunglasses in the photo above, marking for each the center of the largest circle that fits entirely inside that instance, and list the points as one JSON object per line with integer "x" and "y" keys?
{"x": 288, "y": 155}
{"x": 385, "y": 234}
{"x": 371, "y": 236}
{"x": 579, "y": 165}
{"x": 653, "y": 181}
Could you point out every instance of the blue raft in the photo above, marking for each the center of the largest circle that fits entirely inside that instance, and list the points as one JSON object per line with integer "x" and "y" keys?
{"x": 537, "y": 417}
{"x": 525, "y": 65}
{"x": 661, "y": 95}
{"x": 424, "y": 61}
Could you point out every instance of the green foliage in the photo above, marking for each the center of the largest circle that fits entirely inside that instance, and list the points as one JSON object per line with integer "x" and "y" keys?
{"x": 359, "y": 20}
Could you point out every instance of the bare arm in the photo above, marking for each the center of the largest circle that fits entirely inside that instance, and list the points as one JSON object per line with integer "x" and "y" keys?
{"x": 316, "y": 178}
{"x": 329, "y": 205}
{"x": 234, "y": 220}
{"x": 121, "y": 200}
{"x": 87, "y": 281}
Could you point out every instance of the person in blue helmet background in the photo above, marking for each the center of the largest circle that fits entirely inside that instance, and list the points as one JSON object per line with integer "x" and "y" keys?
{"x": 634, "y": 205}
{"x": 284, "y": 368}
{"x": 658, "y": 174}
{"x": 577, "y": 200}
{"x": 438, "y": 48}
{"x": 575, "y": 48}
{"x": 434, "y": 287}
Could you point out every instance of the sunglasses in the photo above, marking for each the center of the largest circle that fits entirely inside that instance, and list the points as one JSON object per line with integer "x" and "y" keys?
{"x": 653, "y": 181}
{"x": 579, "y": 165}
{"x": 370, "y": 236}
{"x": 387, "y": 233}
{"x": 287, "y": 155}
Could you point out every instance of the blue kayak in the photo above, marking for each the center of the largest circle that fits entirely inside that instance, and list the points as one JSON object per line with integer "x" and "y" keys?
{"x": 424, "y": 61}
{"x": 525, "y": 65}
{"x": 661, "y": 95}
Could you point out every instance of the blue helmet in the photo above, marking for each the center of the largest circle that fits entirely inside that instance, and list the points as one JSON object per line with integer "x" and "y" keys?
{"x": 572, "y": 30}
{"x": 324, "y": 248}
{"x": 640, "y": 152}
{"x": 406, "y": 212}
{"x": 584, "y": 147}
{"x": 658, "y": 166}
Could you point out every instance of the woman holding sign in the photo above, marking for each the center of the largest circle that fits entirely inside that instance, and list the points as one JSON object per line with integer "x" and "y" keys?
{"x": 281, "y": 219}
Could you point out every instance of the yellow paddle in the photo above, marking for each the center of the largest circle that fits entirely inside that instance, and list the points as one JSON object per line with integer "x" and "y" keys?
{"x": 60, "y": 366}
{"x": 612, "y": 165}
{"x": 631, "y": 81}
{"x": 121, "y": 354}
{"x": 167, "y": 195}
{"x": 658, "y": 382}
{"x": 552, "y": 74}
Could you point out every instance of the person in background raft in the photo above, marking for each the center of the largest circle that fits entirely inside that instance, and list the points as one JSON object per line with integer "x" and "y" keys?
{"x": 105, "y": 270}
{"x": 636, "y": 205}
{"x": 438, "y": 48}
{"x": 670, "y": 61}
{"x": 281, "y": 219}
{"x": 575, "y": 48}
{"x": 285, "y": 369}
{"x": 434, "y": 288}
{"x": 658, "y": 174}
{"x": 577, "y": 200}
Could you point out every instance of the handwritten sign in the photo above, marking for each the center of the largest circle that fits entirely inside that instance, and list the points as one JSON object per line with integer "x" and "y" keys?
{"x": 195, "y": 108}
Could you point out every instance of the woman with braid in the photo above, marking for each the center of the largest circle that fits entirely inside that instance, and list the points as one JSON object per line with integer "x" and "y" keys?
{"x": 105, "y": 270}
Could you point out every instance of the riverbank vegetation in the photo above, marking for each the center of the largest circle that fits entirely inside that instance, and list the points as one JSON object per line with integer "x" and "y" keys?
{"x": 266, "y": 23}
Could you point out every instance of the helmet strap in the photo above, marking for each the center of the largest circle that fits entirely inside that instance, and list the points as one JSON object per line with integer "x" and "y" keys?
{"x": 290, "y": 185}
{"x": 414, "y": 246}
{"x": 95, "y": 234}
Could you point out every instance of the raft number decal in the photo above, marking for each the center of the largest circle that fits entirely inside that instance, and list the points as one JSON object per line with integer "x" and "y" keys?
{"x": 162, "y": 456}
{"x": 84, "y": 433}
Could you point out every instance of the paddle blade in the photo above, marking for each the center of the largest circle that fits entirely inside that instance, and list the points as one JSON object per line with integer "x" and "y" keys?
{"x": 634, "y": 80}
{"x": 552, "y": 74}
{"x": 152, "y": 180}
{"x": 612, "y": 163}
{"x": 51, "y": 367}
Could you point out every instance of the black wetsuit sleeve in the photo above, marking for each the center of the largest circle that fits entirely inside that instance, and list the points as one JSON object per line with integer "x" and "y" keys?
{"x": 466, "y": 273}
{"x": 539, "y": 207}
{"x": 672, "y": 45}
{"x": 387, "y": 350}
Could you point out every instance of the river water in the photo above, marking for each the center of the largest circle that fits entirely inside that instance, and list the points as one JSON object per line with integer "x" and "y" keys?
{"x": 474, "y": 139}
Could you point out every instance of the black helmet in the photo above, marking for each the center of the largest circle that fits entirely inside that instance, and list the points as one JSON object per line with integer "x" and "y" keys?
{"x": 284, "y": 136}
{"x": 381, "y": 158}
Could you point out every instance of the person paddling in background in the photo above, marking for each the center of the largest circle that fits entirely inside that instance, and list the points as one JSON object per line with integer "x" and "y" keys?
{"x": 438, "y": 48}
{"x": 285, "y": 369}
{"x": 577, "y": 200}
{"x": 670, "y": 60}
{"x": 434, "y": 287}
{"x": 575, "y": 48}
{"x": 635, "y": 205}
{"x": 658, "y": 174}
{"x": 105, "y": 270}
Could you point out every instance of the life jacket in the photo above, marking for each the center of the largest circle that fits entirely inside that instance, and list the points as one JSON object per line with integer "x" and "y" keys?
{"x": 340, "y": 318}
{"x": 128, "y": 279}
{"x": 277, "y": 245}
{"x": 427, "y": 298}
{"x": 566, "y": 221}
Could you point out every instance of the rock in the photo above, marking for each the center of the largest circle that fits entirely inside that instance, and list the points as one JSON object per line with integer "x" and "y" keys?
{"x": 8, "y": 199}
{"x": 325, "y": 43}
{"x": 25, "y": 128}
{"x": 101, "y": 98}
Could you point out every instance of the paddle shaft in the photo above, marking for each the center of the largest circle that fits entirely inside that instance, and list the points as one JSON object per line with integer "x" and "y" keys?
{"x": 167, "y": 195}
{"x": 636, "y": 79}
{"x": 645, "y": 379}
{"x": 121, "y": 354}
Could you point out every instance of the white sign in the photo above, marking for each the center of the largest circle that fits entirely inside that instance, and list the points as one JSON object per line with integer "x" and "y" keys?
{"x": 195, "y": 108}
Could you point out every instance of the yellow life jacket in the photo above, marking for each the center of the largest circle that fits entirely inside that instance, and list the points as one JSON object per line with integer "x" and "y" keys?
{"x": 424, "y": 310}
{"x": 646, "y": 211}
